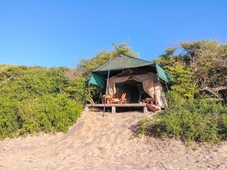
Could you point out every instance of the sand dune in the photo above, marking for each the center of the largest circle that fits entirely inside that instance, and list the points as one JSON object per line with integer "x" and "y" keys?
{"x": 107, "y": 143}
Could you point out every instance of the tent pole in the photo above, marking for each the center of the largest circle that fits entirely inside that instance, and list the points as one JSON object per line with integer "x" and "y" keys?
{"x": 107, "y": 82}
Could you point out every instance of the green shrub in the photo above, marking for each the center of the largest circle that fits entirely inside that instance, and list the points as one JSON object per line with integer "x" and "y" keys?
{"x": 48, "y": 114}
{"x": 8, "y": 117}
{"x": 223, "y": 126}
{"x": 194, "y": 120}
{"x": 35, "y": 99}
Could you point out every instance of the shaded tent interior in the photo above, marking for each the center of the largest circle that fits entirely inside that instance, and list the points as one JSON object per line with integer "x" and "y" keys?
{"x": 125, "y": 74}
{"x": 133, "y": 89}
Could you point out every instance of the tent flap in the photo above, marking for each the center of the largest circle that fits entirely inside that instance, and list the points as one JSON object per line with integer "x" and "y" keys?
{"x": 161, "y": 73}
{"x": 97, "y": 80}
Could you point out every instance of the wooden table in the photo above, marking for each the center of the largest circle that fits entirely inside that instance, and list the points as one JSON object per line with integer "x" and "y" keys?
{"x": 106, "y": 100}
{"x": 111, "y": 100}
{"x": 148, "y": 101}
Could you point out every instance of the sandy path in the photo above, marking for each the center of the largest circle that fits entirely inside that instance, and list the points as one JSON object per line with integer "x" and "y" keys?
{"x": 103, "y": 143}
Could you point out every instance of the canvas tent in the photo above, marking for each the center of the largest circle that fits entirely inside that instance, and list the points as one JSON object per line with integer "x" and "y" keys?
{"x": 133, "y": 76}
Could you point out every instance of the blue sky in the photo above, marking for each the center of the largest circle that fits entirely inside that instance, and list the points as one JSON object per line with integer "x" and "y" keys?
{"x": 54, "y": 33}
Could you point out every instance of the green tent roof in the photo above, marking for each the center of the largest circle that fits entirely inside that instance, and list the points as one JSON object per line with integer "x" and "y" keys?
{"x": 122, "y": 62}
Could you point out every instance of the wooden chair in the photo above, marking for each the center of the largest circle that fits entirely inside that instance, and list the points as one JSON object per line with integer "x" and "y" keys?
{"x": 109, "y": 99}
{"x": 119, "y": 100}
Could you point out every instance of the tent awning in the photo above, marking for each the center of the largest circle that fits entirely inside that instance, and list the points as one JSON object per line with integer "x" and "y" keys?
{"x": 97, "y": 80}
{"x": 162, "y": 74}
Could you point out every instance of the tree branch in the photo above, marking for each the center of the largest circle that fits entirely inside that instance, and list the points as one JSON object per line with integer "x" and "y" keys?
{"x": 211, "y": 91}
{"x": 219, "y": 88}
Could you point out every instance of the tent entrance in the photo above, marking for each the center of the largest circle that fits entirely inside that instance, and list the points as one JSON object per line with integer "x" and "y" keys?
{"x": 133, "y": 89}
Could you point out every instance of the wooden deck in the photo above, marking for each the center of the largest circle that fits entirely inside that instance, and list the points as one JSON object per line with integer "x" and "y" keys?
{"x": 124, "y": 105}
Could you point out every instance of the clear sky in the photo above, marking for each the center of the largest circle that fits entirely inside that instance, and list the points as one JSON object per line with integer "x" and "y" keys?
{"x": 61, "y": 32}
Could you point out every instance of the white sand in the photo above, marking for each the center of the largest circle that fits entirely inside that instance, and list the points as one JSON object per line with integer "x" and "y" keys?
{"x": 106, "y": 143}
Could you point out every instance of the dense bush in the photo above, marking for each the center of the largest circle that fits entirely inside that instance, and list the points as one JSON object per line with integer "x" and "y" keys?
{"x": 48, "y": 114}
{"x": 8, "y": 117}
{"x": 199, "y": 120}
{"x": 35, "y": 99}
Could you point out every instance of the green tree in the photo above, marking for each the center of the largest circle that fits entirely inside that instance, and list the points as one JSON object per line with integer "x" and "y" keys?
{"x": 209, "y": 62}
{"x": 86, "y": 66}
{"x": 205, "y": 63}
